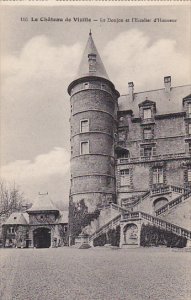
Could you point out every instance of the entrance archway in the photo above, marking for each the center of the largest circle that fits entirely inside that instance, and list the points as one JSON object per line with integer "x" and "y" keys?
{"x": 42, "y": 238}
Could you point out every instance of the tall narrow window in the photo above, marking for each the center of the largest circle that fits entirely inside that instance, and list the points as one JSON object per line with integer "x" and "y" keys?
{"x": 189, "y": 174}
{"x": 189, "y": 128}
{"x": 84, "y": 125}
{"x": 147, "y": 113}
{"x": 92, "y": 62}
{"x": 125, "y": 177}
{"x": 189, "y": 148}
{"x": 189, "y": 110}
{"x": 147, "y": 133}
{"x": 84, "y": 148}
{"x": 158, "y": 175}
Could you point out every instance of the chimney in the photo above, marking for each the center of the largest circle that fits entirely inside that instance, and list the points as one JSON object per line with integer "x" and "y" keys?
{"x": 131, "y": 90}
{"x": 167, "y": 84}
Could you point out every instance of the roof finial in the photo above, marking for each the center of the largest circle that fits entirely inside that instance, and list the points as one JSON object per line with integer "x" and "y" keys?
{"x": 90, "y": 32}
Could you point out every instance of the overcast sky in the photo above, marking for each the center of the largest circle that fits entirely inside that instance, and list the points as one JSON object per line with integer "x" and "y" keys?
{"x": 40, "y": 59}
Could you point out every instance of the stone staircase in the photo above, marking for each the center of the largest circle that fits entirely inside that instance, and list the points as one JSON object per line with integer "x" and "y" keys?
{"x": 145, "y": 218}
{"x": 175, "y": 202}
{"x": 109, "y": 225}
{"x": 174, "y": 190}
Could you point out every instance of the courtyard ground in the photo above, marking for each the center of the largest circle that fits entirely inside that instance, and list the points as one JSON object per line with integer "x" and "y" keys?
{"x": 99, "y": 273}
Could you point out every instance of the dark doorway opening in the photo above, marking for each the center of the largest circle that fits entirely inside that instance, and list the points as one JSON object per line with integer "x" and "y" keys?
{"x": 42, "y": 238}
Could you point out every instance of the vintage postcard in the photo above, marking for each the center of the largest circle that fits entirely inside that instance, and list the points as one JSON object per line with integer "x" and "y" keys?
{"x": 95, "y": 190}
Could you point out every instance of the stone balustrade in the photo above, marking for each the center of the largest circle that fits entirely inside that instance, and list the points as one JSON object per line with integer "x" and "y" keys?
{"x": 153, "y": 157}
{"x": 173, "y": 203}
{"x": 156, "y": 221}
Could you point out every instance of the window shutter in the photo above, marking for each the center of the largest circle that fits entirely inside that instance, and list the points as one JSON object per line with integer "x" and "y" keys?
{"x": 141, "y": 152}
{"x": 154, "y": 151}
{"x": 186, "y": 147}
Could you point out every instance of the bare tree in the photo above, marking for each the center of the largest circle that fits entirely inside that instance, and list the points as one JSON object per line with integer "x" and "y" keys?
{"x": 11, "y": 199}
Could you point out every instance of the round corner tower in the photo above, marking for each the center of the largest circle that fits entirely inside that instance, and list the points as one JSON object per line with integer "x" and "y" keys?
{"x": 94, "y": 105}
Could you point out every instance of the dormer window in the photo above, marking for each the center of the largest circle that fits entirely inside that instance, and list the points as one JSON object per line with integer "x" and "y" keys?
{"x": 92, "y": 62}
{"x": 147, "y": 110}
{"x": 147, "y": 113}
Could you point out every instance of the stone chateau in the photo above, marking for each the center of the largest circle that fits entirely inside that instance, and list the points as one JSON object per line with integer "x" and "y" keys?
{"x": 130, "y": 155}
{"x": 130, "y": 165}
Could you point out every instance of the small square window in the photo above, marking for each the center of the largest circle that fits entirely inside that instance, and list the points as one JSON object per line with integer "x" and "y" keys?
{"x": 147, "y": 152}
{"x": 147, "y": 113}
{"x": 84, "y": 148}
{"x": 86, "y": 85}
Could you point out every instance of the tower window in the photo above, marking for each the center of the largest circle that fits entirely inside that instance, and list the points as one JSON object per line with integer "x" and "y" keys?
{"x": 148, "y": 152}
{"x": 147, "y": 133}
{"x": 84, "y": 148}
{"x": 158, "y": 175}
{"x": 147, "y": 113}
{"x": 86, "y": 85}
{"x": 84, "y": 125}
{"x": 125, "y": 177}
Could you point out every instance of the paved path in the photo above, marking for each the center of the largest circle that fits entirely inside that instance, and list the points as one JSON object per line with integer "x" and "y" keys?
{"x": 92, "y": 274}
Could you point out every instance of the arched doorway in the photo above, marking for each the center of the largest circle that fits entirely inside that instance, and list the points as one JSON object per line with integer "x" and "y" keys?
{"x": 131, "y": 234}
{"x": 42, "y": 238}
{"x": 159, "y": 202}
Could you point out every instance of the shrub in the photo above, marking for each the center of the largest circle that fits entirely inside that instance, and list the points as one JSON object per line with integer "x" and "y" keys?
{"x": 155, "y": 236}
{"x": 111, "y": 237}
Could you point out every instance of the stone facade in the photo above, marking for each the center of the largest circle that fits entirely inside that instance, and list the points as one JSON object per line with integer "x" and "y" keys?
{"x": 41, "y": 226}
{"x": 126, "y": 149}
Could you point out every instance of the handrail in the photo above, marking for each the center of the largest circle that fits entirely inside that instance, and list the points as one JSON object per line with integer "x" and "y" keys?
{"x": 157, "y": 191}
{"x": 159, "y": 222}
{"x": 106, "y": 226}
{"x": 173, "y": 203}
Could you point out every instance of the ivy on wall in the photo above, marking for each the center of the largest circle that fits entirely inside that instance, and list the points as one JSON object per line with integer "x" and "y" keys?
{"x": 112, "y": 237}
{"x": 79, "y": 217}
{"x": 155, "y": 236}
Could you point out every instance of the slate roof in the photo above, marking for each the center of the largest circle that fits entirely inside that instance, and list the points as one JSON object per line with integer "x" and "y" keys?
{"x": 83, "y": 70}
{"x": 43, "y": 203}
{"x": 165, "y": 102}
{"x": 17, "y": 218}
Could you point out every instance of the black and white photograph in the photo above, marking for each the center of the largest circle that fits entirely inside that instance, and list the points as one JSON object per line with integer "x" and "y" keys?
{"x": 95, "y": 150}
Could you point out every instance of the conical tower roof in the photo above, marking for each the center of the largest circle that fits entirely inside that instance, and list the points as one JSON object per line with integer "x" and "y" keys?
{"x": 84, "y": 68}
{"x": 43, "y": 203}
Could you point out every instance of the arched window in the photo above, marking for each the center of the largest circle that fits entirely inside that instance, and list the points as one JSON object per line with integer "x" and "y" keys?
{"x": 158, "y": 203}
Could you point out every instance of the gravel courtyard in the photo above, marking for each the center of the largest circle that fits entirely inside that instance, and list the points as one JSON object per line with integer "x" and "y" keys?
{"x": 100, "y": 273}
